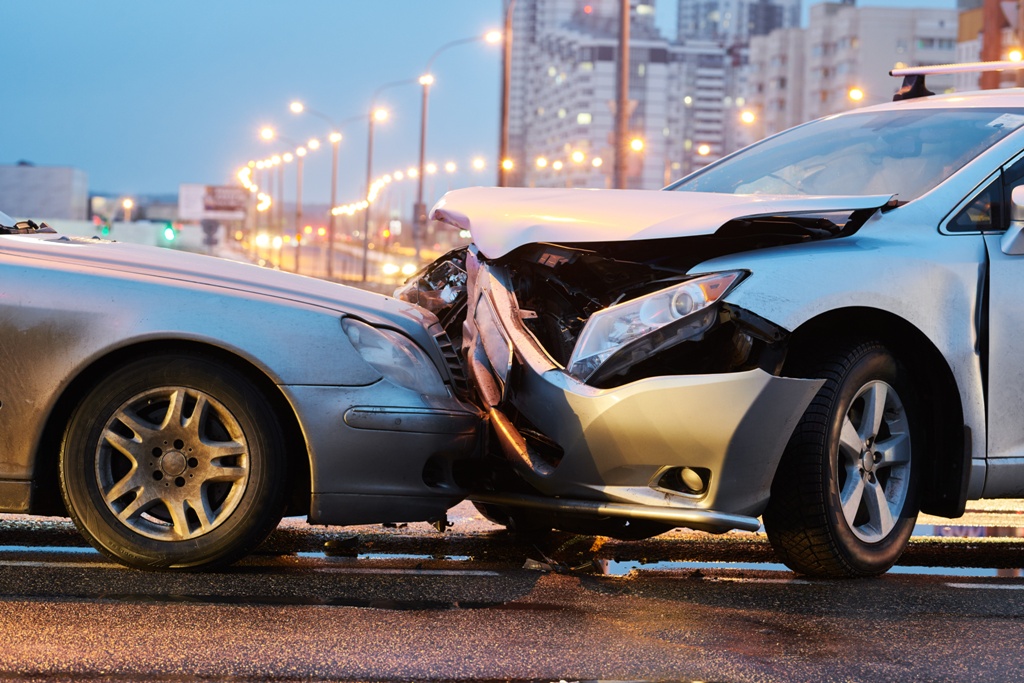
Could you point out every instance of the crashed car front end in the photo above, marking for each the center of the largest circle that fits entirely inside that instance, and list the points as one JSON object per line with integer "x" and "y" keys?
{"x": 618, "y": 380}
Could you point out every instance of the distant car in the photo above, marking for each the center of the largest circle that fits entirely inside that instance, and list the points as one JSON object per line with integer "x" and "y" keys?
{"x": 822, "y": 329}
{"x": 176, "y": 405}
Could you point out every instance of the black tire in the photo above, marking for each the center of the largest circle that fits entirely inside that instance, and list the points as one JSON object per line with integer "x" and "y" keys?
{"x": 197, "y": 477}
{"x": 873, "y": 469}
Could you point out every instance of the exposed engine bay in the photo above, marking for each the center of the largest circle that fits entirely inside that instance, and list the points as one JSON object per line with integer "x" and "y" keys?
{"x": 559, "y": 287}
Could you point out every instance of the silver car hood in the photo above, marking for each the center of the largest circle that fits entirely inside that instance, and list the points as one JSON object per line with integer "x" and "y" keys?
{"x": 103, "y": 256}
{"x": 503, "y": 219}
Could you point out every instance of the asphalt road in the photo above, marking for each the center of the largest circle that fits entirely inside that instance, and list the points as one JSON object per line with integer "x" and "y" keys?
{"x": 409, "y": 603}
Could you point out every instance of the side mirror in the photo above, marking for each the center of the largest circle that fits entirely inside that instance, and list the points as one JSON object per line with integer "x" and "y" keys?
{"x": 1012, "y": 243}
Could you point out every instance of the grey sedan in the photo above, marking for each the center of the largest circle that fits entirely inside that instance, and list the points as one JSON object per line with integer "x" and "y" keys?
{"x": 176, "y": 405}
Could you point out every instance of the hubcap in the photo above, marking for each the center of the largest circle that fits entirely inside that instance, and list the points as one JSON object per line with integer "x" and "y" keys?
{"x": 874, "y": 462}
{"x": 172, "y": 463}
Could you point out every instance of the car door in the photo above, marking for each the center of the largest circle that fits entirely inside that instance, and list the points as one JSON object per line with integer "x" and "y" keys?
{"x": 1003, "y": 329}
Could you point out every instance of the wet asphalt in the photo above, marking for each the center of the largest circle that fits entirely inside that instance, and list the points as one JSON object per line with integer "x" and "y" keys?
{"x": 408, "y": 603}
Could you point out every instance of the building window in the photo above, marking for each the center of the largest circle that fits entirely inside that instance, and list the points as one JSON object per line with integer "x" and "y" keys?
{"x": 584, "y": 118}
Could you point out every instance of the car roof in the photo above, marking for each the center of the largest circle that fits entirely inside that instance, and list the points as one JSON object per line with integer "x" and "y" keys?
{"x": 1003, "y": 98}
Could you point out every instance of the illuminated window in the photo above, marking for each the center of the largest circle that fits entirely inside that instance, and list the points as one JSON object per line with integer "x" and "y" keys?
{"x": 584, "y": 118}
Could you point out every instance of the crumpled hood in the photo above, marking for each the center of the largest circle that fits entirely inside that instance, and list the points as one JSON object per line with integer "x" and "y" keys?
{"x": 503, "y": 219}
{"x": 103, "y": 256}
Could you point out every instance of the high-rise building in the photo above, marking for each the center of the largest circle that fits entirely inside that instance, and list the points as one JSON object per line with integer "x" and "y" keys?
{"x": 734, "y": 21}
{"x": 564, "y": 93}
{"x": 842, "y": 60}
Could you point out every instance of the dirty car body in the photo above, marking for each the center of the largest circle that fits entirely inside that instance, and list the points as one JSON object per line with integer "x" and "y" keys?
{"x": 176, "y": 405}
{"x": 804, "y": 330}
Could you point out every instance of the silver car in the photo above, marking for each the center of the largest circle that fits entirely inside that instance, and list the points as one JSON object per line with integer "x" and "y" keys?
{"x": 821, "y": 329}
{"x": 177, "y": 405}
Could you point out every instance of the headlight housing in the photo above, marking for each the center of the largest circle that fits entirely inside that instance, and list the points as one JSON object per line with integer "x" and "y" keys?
{"x": 663, "y": 318}
{"x": 396, "y": 357}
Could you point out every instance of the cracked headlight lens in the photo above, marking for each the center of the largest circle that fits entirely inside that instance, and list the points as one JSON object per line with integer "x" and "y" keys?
{"x": 680, "y": 312}
{"x": 396, "y": 357}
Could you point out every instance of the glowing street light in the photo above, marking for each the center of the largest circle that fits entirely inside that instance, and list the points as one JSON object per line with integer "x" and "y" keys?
{"x": 704, "y": 149}
{"x": 578, "y": 157}
{"x": 507, "y": 164}
{"x": 427, "y": 80}
{"x": 747, "y": 117}
{"x": 127, "y": 205}
{"x": 542, "y": 162}
{"x": 636, "y": 144}
{"x": 479, "y": 164}
{"x": 855, "y": 94}
{"x": 377, "y": 114}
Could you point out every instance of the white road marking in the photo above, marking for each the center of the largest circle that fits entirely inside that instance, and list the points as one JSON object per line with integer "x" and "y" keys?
{"x": 60, "y": 565}
{"x": 991, "y": 586}
{"x": 421, "y": 572}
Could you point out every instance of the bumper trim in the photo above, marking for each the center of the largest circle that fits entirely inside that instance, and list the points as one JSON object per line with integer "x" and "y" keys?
{"x": 701, "y": 520}
{"x": 420, "y": 420}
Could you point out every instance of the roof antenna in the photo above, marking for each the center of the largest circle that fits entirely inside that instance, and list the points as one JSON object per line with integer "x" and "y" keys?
{"x": 913, "y": 86}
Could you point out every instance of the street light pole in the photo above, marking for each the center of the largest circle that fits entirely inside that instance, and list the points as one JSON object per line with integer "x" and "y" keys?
{"x": 426, "y": 80}
{"x": 419, "y": 212}
{"x": 506, "y": 92}
{"x": 300, "y": 154}
{"x": 622, "y": 99}
{"x": 374, "y": 113}
{"x": 332, "y": 221}
{"x": 369, "y": 181}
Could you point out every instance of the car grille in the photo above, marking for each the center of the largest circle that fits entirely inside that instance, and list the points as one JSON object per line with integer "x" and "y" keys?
{"x": 460, "y": 381}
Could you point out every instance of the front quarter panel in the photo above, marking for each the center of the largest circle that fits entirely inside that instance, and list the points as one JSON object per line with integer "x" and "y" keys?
{"x": 897, "y": 263}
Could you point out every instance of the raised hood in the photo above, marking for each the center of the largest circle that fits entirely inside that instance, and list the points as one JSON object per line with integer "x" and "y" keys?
{"x": 503, "y": 219}
{"x": 122, "y": 259}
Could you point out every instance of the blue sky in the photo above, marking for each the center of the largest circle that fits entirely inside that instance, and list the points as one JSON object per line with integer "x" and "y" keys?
{"x": 144, "y": 95}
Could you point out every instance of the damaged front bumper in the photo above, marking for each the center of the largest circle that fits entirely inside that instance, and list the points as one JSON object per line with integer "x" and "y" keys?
{"x": 689, "y": 450}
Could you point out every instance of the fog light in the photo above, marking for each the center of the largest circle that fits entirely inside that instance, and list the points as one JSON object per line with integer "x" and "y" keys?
{"x": 690, "y": 480}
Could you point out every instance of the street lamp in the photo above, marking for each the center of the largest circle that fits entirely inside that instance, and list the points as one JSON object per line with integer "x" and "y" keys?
{"x": 376, "y": 114}
{"x": 506, "y": 96}
{"x": 426, "y": 80}
{"x": 127, "y": 204}
{"x": 269, "y": 133}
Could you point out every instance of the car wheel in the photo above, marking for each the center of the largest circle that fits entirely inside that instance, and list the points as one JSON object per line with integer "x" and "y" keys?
{"x": 844, "y": 499}
{"x": 173, "y": 462}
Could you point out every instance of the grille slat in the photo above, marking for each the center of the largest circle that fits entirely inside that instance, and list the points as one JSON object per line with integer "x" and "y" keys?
{"x": 460, "y": 380}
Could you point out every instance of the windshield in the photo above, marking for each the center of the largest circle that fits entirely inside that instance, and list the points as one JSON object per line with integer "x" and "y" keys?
{"x": 901, "y": 152}
{"x": 6, "y": 221}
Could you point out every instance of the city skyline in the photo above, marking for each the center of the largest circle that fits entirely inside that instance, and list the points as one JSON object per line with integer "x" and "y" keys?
{"x": 145, "y": 97}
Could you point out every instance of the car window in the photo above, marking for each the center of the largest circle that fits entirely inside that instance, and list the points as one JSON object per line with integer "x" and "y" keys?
{"x": 990, "y": 209}
{"x": 901, "y": 152}
{"x": 982, "y": 213}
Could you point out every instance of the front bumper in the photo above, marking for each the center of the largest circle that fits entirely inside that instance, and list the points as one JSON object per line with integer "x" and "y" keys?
{"x": 616, "y": 444}
{"x": 381, "y": 453}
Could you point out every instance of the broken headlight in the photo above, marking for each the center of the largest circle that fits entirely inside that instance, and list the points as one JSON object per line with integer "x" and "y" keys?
{"x": 663, "y": 318}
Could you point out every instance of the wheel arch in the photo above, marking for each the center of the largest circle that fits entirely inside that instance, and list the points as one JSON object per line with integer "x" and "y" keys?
{"x": 46, "y": 498}
{"x": 947, "y": 465}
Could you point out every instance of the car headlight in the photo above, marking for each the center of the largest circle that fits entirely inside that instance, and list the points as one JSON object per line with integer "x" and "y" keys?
{"x": 680, "y": 312}
{"x": 396, "y": 357}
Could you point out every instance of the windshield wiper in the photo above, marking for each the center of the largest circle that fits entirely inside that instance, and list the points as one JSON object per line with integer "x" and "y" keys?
{"x": 25, "y": 228}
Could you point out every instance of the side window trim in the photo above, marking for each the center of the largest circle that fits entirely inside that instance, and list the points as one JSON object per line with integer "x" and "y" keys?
{"x": 947, "y": 227}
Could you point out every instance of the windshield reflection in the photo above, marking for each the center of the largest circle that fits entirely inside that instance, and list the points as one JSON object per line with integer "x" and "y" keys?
{"x": 905, "y": 153}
